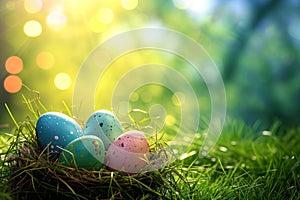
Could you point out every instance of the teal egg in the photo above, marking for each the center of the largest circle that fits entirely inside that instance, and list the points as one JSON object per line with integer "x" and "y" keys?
{"x": 105, "y": 125}
{"x": 56, "y": 130}
{"x": 86, "y": 152}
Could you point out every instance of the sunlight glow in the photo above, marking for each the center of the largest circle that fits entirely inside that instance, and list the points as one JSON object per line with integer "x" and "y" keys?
{"x": 14, "y": 65}
{"x": 129, "y": 4}
{"x": 33, "y": 6}
{"x": 45, "y": 60}
{"x": 12, "y": 84}
{"x": 106, "y": 15}
{"x": 96, "y": 26}
{"x": 32, "y": 28}
{"x": 56, "y": 20}
{"x": 196, "y": 7}
{"x": 201, "y": 7}
{"x": 62, "y": 81}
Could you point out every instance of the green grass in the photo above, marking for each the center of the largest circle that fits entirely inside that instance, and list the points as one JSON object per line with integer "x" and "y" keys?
{"x": 246, "y": 163}
{"x": 251, "y": 164}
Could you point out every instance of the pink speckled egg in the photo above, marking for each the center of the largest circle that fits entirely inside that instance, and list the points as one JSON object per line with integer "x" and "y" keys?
{"x": 128, "y": 152}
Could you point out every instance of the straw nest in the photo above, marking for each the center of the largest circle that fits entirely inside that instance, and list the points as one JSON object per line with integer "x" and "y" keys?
{"x": 32, "y": 172}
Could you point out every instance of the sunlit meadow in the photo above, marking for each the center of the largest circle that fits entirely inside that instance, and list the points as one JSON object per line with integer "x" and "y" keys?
{"x": 255, "y": 46}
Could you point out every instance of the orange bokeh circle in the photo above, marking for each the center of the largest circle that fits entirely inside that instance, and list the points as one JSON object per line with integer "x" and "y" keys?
{"x": 14, "y": 64}
{"x": 12, "y": 84}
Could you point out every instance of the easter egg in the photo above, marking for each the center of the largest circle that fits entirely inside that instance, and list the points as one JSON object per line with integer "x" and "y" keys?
{"x": 127, "y": 153}
{"x": 105, "y": 125}
{"x": 56, "y": 130}
{"x": 84, "y": 152}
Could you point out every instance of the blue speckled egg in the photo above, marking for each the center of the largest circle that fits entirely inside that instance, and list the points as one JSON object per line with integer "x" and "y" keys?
{"x": 105, "y": 125}
{"x": 56, "y": 130}
{"x": 84, "y": 152}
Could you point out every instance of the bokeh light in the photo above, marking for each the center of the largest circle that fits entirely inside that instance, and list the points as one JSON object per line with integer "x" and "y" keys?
{"x": 45, "y": 60}
{"x": 201, "y": 8}
{"x": 40, "y": 35}
{"x": 56, "y": 20}
{"x": 10, "y": 5}
{"x": 182, "y": 4}
{"x": 294, "y": 29}
{"x": 33, "y": 6}
{"x": 12, "y": 84}
{"x": 14, "y": 65}
{"x": 197, "y": 8}
{"x": 146, "y": 97}
{"x": 32, "y": 28}
{"x": 62, "y": 81}
{"x": 129, "y": 4}
{"x": 170, "y": 120}
{"x": 134, "y": 96}
{"x": 106, "y": 15}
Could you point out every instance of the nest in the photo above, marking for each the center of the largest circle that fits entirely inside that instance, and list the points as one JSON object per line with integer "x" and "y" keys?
{"x": 32, "y": 172}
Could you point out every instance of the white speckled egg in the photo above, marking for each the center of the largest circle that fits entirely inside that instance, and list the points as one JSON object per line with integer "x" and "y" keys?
{"x": 105, "y": 125}
{"x": 56, "y": 129}
{"x": 87, "y": 152}
{"x": 127, "y": 153}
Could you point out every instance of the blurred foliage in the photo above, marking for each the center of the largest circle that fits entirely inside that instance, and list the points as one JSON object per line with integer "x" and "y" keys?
{"x": 255, "y": 44}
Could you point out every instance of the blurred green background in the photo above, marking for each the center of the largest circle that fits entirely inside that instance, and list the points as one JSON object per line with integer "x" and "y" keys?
{"x": 255, "y": 44}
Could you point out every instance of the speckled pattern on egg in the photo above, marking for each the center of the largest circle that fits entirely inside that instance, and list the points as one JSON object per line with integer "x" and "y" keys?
{"x": 127, "y": 153}
{"x": 85, "y": 152}
{"x": 105, "y": 125}
{"x": 57, "y": 130}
